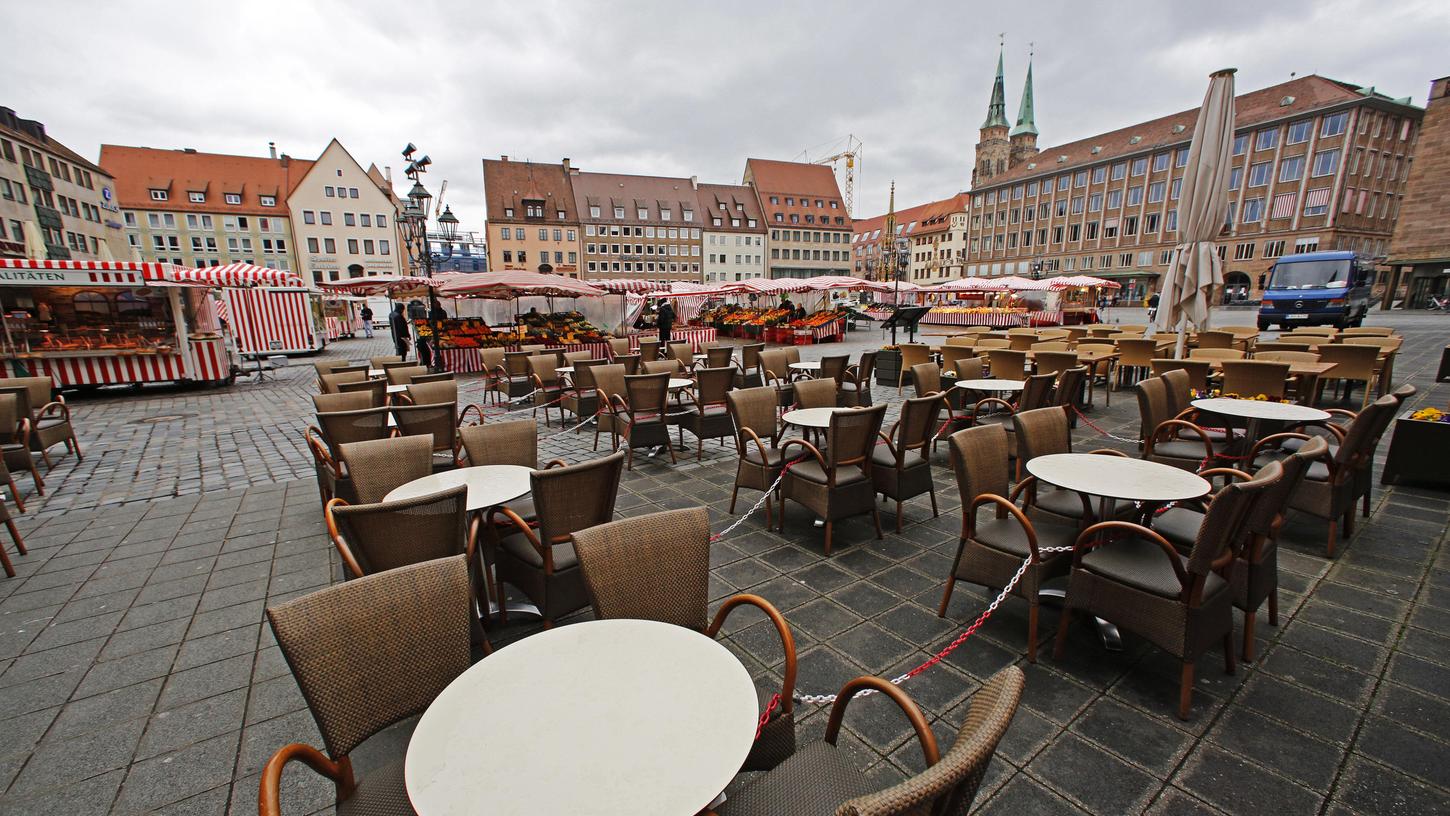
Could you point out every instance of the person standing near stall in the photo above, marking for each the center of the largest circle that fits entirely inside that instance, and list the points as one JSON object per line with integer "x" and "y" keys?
{"x": 666, "y": 321}
{"x": 398, "y": 324}
{"x": 367, "y": 320}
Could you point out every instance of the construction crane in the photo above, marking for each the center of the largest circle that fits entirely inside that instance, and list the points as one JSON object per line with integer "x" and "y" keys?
{"x": 852, "y": 156}
{"x": 438, "y": 207}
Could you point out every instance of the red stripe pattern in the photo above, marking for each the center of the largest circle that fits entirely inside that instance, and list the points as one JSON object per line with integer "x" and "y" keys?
{"x": 261, "y": 316}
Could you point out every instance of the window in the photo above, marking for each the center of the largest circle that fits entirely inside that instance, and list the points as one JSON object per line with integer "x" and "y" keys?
{"x": 329, "y": 245}
{"x": 1110, "y": 228}
{"x": 619, "y": 212}
{"x": 1299, "y": 131}
{"x": 233, "y": 198}
{"x": 1160, "y": 162}
{"x": 1333, "y": 125}
{"x": 1080, "y": 180}
{"x": 1241, "y": 144}
{"x": 367, "y": 246}
{"x": 1326, "y": 162}
{"x": 1099, "y": 173}
{"x": 1092, "y": 230}
{"x": 1140, "y": 166}
{"x": 158, "y": 195}
{"x": 351, "y": 192}
{"x": 1130, "y": 225}
{"x": 1266, "y": 139}
{"x": 328, "y": 191}
{"x": 1306, "y": 245}
{"x": 326, "y": 218}
{"x": 543, "y": 234}
{"x": 383, "y": 247}
{"x": 1135, "y": 196}
{"x": 268, "y": 201}
{"x": 1244, "y": 252}
{"x": 196, "y": 198}
{"x": 1273, "y": 249}
{"x": 365, "y": 219}
{"x": 1175, "y": 189}
{"x": 1291, "y": 168}
{"x": 349, "y": 220}
{"x": 1150, "y": 223}
{"x": 1180, "y": 157}
{"x": 1235, "y": 177}
{"x": 560, "y": 214}
{"x": 1095, "y": 202}
{"x": 1170, "y": 221}
{"x": 689, "y": 215}
{"x": 1077, "y": 203}
{"x": 1316, "y": 202}
{"x": 1259, "y": 174}
{"x": 1253, "y": 210}
{"x": 352, "y": 246}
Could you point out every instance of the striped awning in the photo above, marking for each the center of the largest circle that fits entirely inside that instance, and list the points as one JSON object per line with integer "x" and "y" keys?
{"x": 1073, "y": 281}
{"x": 381, "y": 284}
{"x": 1318, "y": 197}
{"x": 149, "y": 271}
{"x": 1283, "y": 206}
{"x": 634, "y": 286}
{"x": 232, "y": 275}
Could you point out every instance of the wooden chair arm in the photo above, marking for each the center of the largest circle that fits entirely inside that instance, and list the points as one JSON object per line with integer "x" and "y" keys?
{"x": 787, "y": 640}
{"x": 269, "y": 794}
{"x": 923, "y": 731}
{"x": 555, "y": 463}
{"x": 45, "y": 410}
{"x": 812, "y": 449}
{"x": 758, "y": 443}
{"x": 1084, "y": 541}
{"x": 463, "y": 415}
{"x": 510, "y": 517}
{"x": 977, "y": 409}
{"x": 343, "y": 550}
{"x": 1004, "y": 504}
{"x": 1152, "y": 439}
{"x": 1276, "y": 438}
{"x": 22, "y": 433}
{"x": 313, "y": 435}
{"x": 1108, "y": 452}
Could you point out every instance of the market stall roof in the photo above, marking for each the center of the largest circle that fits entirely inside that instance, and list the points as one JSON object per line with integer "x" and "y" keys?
{"x": 148, "y": 272}
{"x": 1020, "y": 284}
{"x": 380, "y": 284}
{"x": 1072, "y": 281}
{"x": 512, "y": 283}
{"x": 823, "y": 282}
{"x": 766, "y": 286}
{"x": 970, "y": 285}
{"x": 233, "y": 275}
{"x": 633, "y": 286}
{"x": 685, "y": 289}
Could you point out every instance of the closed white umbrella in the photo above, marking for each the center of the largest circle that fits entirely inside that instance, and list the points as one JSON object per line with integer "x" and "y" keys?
{"x": 1195, "y": 271}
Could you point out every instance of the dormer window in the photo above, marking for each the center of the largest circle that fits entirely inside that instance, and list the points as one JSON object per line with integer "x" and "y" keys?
{"x": 560, "y": 213}
{"x": 665, "y": 215}
{"x": 533, "y": 209}
{"x": 271, "y": 201}
{"x": 619, "y": 213}
{"x": 689, "y": 215}
{"x": 508, "y": 212}
{"x": 158, "y": 195}
{"x": 233, "y": 198}
{"x": 196, "y": 197}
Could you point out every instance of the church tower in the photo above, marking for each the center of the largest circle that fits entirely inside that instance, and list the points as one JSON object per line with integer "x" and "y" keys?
{"x": 1024, "y": 135}
{"x": 993, "y": 147}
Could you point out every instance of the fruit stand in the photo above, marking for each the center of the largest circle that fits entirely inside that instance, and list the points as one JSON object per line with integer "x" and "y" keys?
{"x": 462, "y": 339}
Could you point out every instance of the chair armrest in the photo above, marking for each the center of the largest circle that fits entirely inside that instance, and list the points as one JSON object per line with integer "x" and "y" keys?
{"x": 554, "y": 463}
{"x": 22, "y": 433}
{"x": 510, "y": 517}
{"x": 45, "y": 410}
{"x": 923, "y": 731}
{"x": 1108, "y": 452}
{"x": 787, "y": 640}
{"x": 1084, "y": 541}
{"x": 758, "y": 443}
{"x": 1152, "y": 439}
{"x": 1011, "y": 509}
{"x": 886, "y": 440}
{"x": 977, "y": 409}
{"x": 348, "y": 559}
{"x": 269, "y": 794}
{"x": 463, "y": 415}
{"x": 313, "y": 435}
{"x": 1276, "y": 439}
{"x": 811, "y": 449}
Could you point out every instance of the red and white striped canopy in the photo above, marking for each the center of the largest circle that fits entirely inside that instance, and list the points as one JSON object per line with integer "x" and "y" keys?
{"x": 510, "y": 283}
{"x": 767, "y": 286}
{"x": 823, "y": 282}
{"x": 685, "y": 289}
{"x": 1073, "y": 281}
{"x": 148, "y": 270}
{"x": 970, "y": 285}
{"x": 620, "y": 286}
{"x": 380, "y": 284}
{"x": 233, "y": 275}
{"x": 1020, "y": 284}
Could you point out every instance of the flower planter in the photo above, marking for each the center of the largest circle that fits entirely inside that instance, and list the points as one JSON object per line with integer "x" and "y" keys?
{"x": 1419, "y": 451}
{"x": 888, "y": 366}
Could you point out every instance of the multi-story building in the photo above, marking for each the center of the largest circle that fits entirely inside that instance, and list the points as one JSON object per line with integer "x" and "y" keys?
{"x": 205, "y": 209}
{"x": 639, "y": 226}
{"x": 810, "y": 230}
{"x": 866, "y": 238}
{"x": 53, "y": 202}
{"x": 1420, "y": 248}
{"x": 532, "y": 219}
{"x": 938, "y": 236}
{"x": 733, "y": 245}
{"x": 344, "y": 220}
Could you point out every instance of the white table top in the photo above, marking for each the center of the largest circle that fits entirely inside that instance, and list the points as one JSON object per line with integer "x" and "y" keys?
{"x": 1118, "y": 477}
{"x": 678, "y": 382}
{"x": 564, "y": 370}
{"x": 807, "y": 365}
{"x": 1261, "y": 409}
{"x": 377, "y": 372}
{"x": 811, "y": 417}
{"x": 992, "y": 385}
{"x": 397, "y": 389}
{"x": 606, "y": 717}
{"x": 488, "y": 485}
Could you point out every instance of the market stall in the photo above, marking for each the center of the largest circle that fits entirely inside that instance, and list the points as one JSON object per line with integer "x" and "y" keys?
{"x": 90, "y": 323}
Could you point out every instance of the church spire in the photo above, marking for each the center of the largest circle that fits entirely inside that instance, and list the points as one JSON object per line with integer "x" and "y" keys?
{"x": 997, "y": 108}
{"x": 1026, "y": 117}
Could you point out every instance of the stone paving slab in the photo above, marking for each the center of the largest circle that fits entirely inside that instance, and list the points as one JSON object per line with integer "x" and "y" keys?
{"x": 137, "y": 675}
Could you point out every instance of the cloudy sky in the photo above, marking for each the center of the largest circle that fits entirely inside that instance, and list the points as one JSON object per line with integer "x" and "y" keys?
{"x": 667, "y": 88}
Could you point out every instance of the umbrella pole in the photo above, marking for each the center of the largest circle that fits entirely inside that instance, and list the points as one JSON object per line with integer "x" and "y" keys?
{"x": 1182, "y": 338}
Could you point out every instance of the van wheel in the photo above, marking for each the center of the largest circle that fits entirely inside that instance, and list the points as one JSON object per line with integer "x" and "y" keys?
{"x": 1264, "y": 325}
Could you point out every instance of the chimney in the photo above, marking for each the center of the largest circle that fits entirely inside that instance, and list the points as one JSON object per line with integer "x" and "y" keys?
{"x": 272, "y": 149}
{"x": 503, "y": 158}
{"x": 565, "y": 162}
{"x": 695, "y": 182}
{"x": 286, "y": 160}
{"x": 388, "y": 173}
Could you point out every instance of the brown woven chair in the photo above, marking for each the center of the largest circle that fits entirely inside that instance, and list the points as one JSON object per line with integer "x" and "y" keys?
{"x": 332, "y": 479}
{"x": 682, "y": 353}
{"x": 326, "y": 367}
{"x": 14, "y": 536}
{"x": 1355, "y": 364}
{"x": 836, "y": 483}
{"x": 1036, "y": 393}
{"x": 330, "y": 383}
{"x": 649, "y": 350}
{"x": 15, "y": 446}
{"x": 1007, "y": 364}
{"x": 720, "y": 356}
{"x": 856, "y": 382}
{"x": 1051, "y": 345}
{"x": 381, "y": 536}
{"x": 442, "y": 376}
{"x": 548, "y": 388}
{"x": 1140, "y": 582}
{"x": 1136, "y": 357}
{"x": 618, "y": 346}
{"x": 757, "y": 440}
{"x": 540, "y": 560}
{"x": 668, "y": 366}
{"x": 775, "y": 373}
{"x": 341, "y": 427}
{"x": 1069, "y": 391}
{"x": 513, "y": 375}
{"x": 1197, "y": 371}
{"x": 495, "y": 375}
{"x": 638, "y": 415}
{"x": 367, "y": 654}
{"x": 833, "y": 367}
{"x": 580, "y": 397}
{"x": 404, "y": 375}
{"x": 900, "y": 469}
{"x": 1043, "y": 432}
{"x": 987, "y": 344}
{"x": 1215, "y": 354}
{"x": 821, "y": 779}
{"x": 1332, "y": 485}
{"x": 989, "y": 553}
{"x": 657, "y": 567}
{"x": 608, "y": 383}
{"x": 706, "y": 414}
{"x": 432, "y": 393}
{"x": 1051, "y": 362}
{"x": 630, "y": 363}
{"x": 912, "y": 354}
{"x": 818, "y": 393}
{"x": 440, "y": 420}
{"x": 749, "y": 375}
{"x": 377, "y": 466}
{"x": 926, "y": 378}
{"x": 1167, "y": 439}
{"x": 377, "y": 391}
{"x": 1216, "y": 340}
{"x": 404, "y": 363}
{"x": 380, "y": 362}
{"x": 952, "y": 358}
{"x": 1253, "y": 377}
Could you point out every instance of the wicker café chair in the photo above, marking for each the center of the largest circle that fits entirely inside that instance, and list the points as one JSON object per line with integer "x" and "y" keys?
{"x": 1069, "y": 391}
{"x": 836, "y": 483}
{"x": 513, "y": 375}
{"x": 14, "y": 536}
{"x": 377, "y": 466}
{"x": 438, "y": 392}
{"x": 495, "y": 377}
{"x": 440, "y": 421}
{"x": 1216, "y": 340}
{"x": 657, "y": 567}
{"x": 856, "y": 382}
{"x": 618, "y": 346}
{"x": 1333, "y": 484}
{"x": 341, "y": 427}
{"x": 1042, "y": 432}
{"x": 1355, "y": 364}
{"x": 381, "y": 536}
{"x": 404, "y": 375}
{"x": 1136, "y": 356}
{"x": 990, "y": 552}
{"x": 952, "y": 357}
{"x": 1196, "y": 370}
{"x": 668, "y": 366}
{"x": 775, "y": 373}
{"x": 1051, "y": 362}
{"x": 389, "y": 366}
{"x": 926, "y": 378}
{"x": 377, "y": 391}
{"x": 331, "y": 474}
{"x": 900, "y": 469}
{"x": 1166, "y": 438}
{"x": 1367, "y": 331}
{"x": 1036, "y": 393}
{"x": 683, "y": 353}
{"x": 1007, "y": 364}
{"x": 630, "y": 362}
{"x": 912, "y": 354}
{"x": 368, "y": 654}
{"x": 719, "y": 356}
{"x": 757, "y": 443}
{"x": 326, "y": 366}
{"x": 343, "y": 401}
{"x": 649, "y": 350}
{"x": 834, "y": 367}
{"x": 608, "y": 383}
{"x": 548, "y": 387}
{"x": 380, "y": 362}
{"x": 822, "y": 779}
{"x": 749, "y": 374}
{"x": 1139, "y": 581}
{"x": 329, "y": 383}
{"x": 443, "y": 376}
{"x": 707, "y": 415}
{"x": 818, "y": 393}
{"x": 540, "y": 560}
{"x": 1253, "y": 377}
{"x": 580, "y": 397}
{"x": 638, "y": 415}
{"x": 15, "y": 446}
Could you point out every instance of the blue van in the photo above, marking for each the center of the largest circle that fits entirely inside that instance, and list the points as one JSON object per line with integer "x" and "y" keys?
{"x": 1316, "y": 289}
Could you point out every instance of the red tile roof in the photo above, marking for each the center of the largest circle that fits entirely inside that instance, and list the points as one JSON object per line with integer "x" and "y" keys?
{"x": 803, "y": 184}
{"x": 651, "y": 193}
{"x": 139, "y": 170}
{"x": 1308, "y": 93}
{"x": 932, "y": 216}
{"x": 507, "y": 183}
{"x": 712, "y": 195}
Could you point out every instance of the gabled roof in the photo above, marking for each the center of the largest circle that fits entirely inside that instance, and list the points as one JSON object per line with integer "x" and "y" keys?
{"x": 740, "y": 202}
{"x": 33, "y": 133}
{"x": 801, "y": 182}
{"x": 507, "y": 183}
{"x": 932, "y": 216}
{"x": 1303, "y": 95}
{"x": 653, "y": 194}
{"x": 138, "y": 170}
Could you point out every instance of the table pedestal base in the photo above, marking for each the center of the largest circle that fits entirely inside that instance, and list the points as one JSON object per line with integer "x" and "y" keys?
{"x": 1055, "y": 590}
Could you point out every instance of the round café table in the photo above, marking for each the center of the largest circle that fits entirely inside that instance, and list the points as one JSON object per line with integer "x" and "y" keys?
{"x": 488, "y": 485}
{"x": 397, "y": 389}
{"x": 812, "y": 367}
{"x": 992, "y": 385}
{"x": 819, "y": 418}
{"x": 1256, "y": 412}
{"x": 676, "y": 383}
{"x": 609, "y": 717}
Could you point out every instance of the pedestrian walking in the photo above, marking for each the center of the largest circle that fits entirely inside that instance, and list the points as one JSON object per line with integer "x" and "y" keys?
{"x": 367, "y": 320}
{"x": 1153, "y": 307}
{"x": 398, "y": 324}
{"x": 665, "y": 318}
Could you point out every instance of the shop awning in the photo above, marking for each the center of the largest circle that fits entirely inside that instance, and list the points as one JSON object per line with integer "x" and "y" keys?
{"x": 138, "y": 273}
{"x": 1127, "y": 273}
{"x": 824, "y": 282}
{"x": 232, "y": 275}
{"x": 520, "y": 283}
{"x": 767, "y": 286}
{"x": 1075, "y": 281}
{"x": 381, "y": 284}
{"x": 619, "y": 286}
{"x": 973, "y": 284}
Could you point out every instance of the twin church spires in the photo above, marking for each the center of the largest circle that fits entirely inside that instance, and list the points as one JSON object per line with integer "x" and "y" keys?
{"x": 999, "y": 148}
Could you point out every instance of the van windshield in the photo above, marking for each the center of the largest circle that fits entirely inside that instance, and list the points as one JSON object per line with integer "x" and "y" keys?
{"x": 1310, "y": 275}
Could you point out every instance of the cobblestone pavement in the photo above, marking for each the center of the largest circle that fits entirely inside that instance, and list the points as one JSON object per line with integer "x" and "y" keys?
{"x": 136, "y": 674}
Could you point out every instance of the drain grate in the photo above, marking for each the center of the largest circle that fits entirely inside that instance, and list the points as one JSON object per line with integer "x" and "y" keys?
{"x": 152, "y": 420}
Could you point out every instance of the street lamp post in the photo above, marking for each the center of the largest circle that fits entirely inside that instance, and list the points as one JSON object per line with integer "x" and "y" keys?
{"x": 414, "y": 225}
{"x": 898, "y": 266}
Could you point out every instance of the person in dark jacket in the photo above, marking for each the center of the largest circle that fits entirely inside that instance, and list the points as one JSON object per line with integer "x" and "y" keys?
{"x": 398, "y": 324}
{"x": 665, "y": 318}
{"x": 1153, "y": 306}
{"x": 367, "y": 320}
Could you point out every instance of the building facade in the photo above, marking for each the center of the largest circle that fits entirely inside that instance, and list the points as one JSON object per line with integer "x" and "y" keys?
{"x": 344, "y": 220}
{"x": 54, "y": 203}
{"x": 809, "y": 228}
{"x": 647, "y": 227}
{"x": 205, "y": 209}
{"x": 532, "y": 218}
{"x": 1420, "y": 247}
{"x": 938, "y": 235}
{"x": 734, "y": 246}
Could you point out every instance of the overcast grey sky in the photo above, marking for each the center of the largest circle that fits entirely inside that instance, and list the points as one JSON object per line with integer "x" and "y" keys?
{"x": 667, "y": 88}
